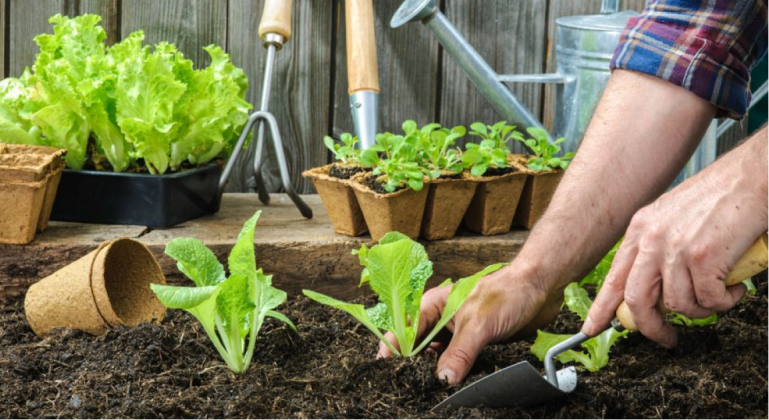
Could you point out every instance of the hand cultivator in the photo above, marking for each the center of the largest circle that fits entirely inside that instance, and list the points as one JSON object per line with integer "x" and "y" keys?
{"x": 275, "y": 31}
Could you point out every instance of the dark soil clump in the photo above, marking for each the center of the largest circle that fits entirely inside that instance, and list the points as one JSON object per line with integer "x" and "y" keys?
{"x": 494, "y": 171}
{"x": 328, "y": 369}
{"x": 378, "y": 187}
{"x": 344, "y": 172}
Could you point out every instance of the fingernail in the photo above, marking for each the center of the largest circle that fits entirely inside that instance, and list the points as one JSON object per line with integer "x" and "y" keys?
{"x": 587, "y": 327}
{"x": 448, "y": 375}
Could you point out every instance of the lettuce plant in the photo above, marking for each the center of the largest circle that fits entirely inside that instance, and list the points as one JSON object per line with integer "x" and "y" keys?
{"x": 492, "y": 151}
{"x": 347, "y": 153}
{"x": 230, "y": 309}
{"x": 435, "y": 145}
{"x": 398, "y": 165}
{"x": 544, "y": 153}
{"x": 396, "y": 270}
{"x": 127, "y": 107}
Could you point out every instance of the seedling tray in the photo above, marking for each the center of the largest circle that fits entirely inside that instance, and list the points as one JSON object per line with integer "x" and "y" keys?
{"x": 137, "y": 199}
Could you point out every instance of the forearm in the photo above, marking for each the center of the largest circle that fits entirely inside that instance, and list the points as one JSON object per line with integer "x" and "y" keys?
{"x": 642, "y": 133}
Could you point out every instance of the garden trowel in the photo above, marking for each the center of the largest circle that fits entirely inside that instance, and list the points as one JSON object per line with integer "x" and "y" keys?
{"x": 362, "y": 71}
{"x": 522, "y": 385}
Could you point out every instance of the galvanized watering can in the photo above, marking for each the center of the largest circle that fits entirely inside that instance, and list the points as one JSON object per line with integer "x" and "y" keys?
{"x": 584, "y": 48}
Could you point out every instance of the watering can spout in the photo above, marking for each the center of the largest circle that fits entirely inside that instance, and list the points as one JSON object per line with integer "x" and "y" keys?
{"x": 469, "y": 60}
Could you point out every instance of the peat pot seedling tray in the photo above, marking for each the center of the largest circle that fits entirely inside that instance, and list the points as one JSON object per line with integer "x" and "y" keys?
{"x": 137, "y": 199}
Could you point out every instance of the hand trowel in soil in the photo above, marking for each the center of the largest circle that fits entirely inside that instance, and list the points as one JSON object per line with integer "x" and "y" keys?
{"x": 362, "y": 71}
{"x": 522, "y": 385}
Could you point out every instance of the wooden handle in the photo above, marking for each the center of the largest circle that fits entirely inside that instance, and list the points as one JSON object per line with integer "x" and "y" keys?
{"x": 362, "y": 72}
{"x": 752, "y": 262}
{"x": 276, "y": 18}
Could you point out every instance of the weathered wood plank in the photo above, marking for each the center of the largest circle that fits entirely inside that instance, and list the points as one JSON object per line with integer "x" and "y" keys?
{"x": 30, "y": 18}
{"x": 300, "y": 253}
{"x": 190, "y": 24}
{"x": 408, "y": 73}
{"x": 3, "y": 52}
{"x": 300, "y": 95}
{"x": 510, "y": 35}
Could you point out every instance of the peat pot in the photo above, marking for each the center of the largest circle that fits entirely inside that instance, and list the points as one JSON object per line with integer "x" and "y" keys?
{"x": 399, "y": 211}
{"x": 138, "y": 199}
{"x": 339, "y": 201}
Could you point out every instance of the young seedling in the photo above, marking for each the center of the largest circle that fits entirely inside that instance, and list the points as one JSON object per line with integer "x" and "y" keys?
{"x": 398, "y": 168}
{"x": 436, "y": 150}
{"x": 230, "y": 309}
{"x": 396, "y": 270}
{"x": 346, "y": 153}
{"x": 544, "y": 153}
{"x": 492, "y": 151}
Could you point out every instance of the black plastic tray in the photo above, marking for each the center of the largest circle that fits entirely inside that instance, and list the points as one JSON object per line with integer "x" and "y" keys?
{"x": 137, "y": 199}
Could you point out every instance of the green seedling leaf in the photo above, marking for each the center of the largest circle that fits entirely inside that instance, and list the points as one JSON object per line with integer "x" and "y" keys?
{"x": 231, "y": 309}
{"x": 397, "y": 270}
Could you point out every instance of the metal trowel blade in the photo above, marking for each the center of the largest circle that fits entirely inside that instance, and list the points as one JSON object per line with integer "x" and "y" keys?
{"x": 517, "y": 385}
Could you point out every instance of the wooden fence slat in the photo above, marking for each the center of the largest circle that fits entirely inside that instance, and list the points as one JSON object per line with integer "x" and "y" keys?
{"x": 510, "y": 35}
{"x": 300, "y": 93}
{"x": 30, "y": 18}
{"x": 190, "y": 24}
{"x": 408, "y": 73}
{"x": 3, "y": 52}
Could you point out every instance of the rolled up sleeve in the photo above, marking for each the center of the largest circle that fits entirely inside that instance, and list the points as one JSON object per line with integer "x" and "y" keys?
{"x": 706, "y": 47}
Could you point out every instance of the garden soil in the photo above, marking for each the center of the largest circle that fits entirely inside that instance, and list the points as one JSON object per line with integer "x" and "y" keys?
{"x": 328, "y": 369}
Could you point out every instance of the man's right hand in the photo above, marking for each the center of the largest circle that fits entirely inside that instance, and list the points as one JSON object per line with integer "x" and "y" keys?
{"x": 504, "y": 306}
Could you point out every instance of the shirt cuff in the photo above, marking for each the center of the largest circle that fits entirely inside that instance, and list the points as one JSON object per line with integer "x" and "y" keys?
{"x": 700, "y": 65}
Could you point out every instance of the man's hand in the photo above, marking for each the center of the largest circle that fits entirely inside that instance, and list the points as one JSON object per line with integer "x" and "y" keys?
{"x": 681, "y": 247}
{"x": 502, "y": 306}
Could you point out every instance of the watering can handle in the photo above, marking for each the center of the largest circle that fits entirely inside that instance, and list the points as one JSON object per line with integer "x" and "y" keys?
{"x": 276, "y": 19}
{"x": 752, "y": 262}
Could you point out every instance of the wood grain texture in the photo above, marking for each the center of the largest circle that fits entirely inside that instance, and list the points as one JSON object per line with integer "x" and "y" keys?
{"x": 300, "y": 253}
{"x": 30, "y": 18}
{"x": 190, "y": 24}
{"x": 408, "y": 73}
{"x": 362, "y": 68}
{"x": 3, "y": 23}
{"x": 510, "y": 35}
{"x": 276, "y": 18}
{"x": 300, "y": 93}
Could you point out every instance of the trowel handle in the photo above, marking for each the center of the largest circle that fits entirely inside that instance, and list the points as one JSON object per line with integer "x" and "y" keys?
{"x": 362, "y": 72}
{"x": 276, "y": 19}
{"x": 752, "y": 262}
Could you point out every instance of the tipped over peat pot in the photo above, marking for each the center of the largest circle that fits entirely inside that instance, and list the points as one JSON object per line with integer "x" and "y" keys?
{"x": 447, "y": 202}
{"x": 107, "y": 288}
{"x": 495, "y": 201}
{"x": 137, "y": 198}
{"x": 339, "y": 200}
{"x": 399, "y": 211}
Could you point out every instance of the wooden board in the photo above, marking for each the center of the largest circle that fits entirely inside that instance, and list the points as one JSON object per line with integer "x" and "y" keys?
{"x": 510, "y": 36}
{"x": 300, "y": 253}
{"x": 300, "y": 96}
{"x": 30, "y": 18}
{"x": 190, "y": 24}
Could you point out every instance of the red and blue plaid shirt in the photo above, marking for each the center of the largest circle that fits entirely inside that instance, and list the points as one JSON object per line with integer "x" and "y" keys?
{"x": 704, "y": 46}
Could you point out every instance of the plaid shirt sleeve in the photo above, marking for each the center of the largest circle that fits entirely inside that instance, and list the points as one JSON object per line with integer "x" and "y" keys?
{"x": 704, "y": 46}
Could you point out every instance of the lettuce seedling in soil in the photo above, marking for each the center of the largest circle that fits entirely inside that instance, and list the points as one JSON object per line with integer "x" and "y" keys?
{"x": 230, "y": 309}
{"x": 397, "y": 167}
{"x": 347, "y": 156}
{"x": 436, "y": 148}
{"x": 544, "y": 153}
{"x": 397, "y": 270}
{"x": 490, "y": 155}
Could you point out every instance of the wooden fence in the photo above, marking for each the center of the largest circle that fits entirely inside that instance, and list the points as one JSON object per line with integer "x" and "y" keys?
{"x": 309, "y": 96}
